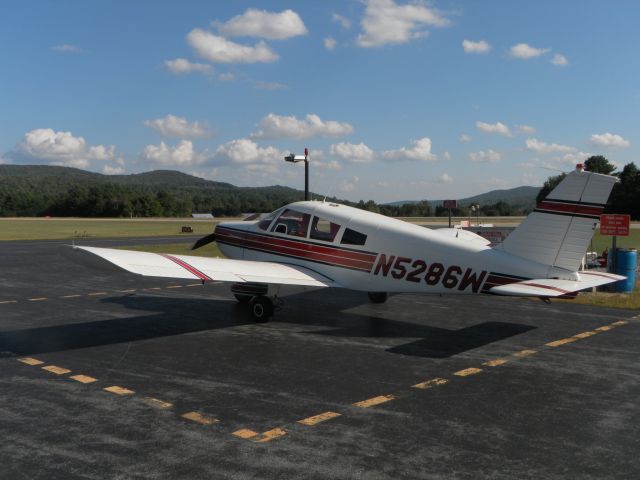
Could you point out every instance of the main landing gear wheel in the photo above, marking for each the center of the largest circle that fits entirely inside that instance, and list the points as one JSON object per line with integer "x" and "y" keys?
{"x": 242, "y": 298}
{"x": 261, "y": 309}
{"x": 378, "y": 297}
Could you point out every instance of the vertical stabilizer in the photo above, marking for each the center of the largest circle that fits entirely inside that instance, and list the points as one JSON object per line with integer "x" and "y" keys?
{"x": 558, "y": 231}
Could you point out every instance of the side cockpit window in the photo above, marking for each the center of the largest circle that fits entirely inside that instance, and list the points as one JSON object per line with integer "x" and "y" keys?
{"x": 351, "y": 237}
{"x": 322, "y": 229}
{"x": 292, "y": 223}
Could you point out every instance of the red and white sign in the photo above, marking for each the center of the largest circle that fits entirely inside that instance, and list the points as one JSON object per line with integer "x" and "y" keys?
{"x": 617, "y": 225}
{"x": 450, "y": 203}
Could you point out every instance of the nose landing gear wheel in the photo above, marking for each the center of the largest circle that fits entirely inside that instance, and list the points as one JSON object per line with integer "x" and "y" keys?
{"x": 261, "y": 309}
{"x": 377, "y": 297}
{"x": 242, "y": 298}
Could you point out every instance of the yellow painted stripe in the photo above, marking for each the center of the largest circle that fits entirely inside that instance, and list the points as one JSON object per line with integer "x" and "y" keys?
{"x": 199, "y": 418}
{"x": 119, "y": 390}
{"x": 374, "y": 401}
{"x": 174, "y": 286}
{"x": 619, "y": 323}
{"x": 30, "y": 361}
{"x": 131, "y": 290}
{"x": 71, "y": 296}
{"x": 56, "y": 370}
{"x": 563, "y": 341}
{"x": 155, "y": 402}
{"x": 604, "y": 328}
{"x": 83, "y": 379}
{"x": 525, "y": 353}
{"x": 199, "y": 285}
{"x": 94, "y": 294}
{"x": 245, "y": 433}
{"x": 319, "y": 418}
{"x": 585, "y": 334}
{"x": 468, "y": 371}
{"x": 496, "y": 362}
{"x": 431, "y": 383}
{"x": 39, "y": 299}
{"x": 9, "y": 301}
{"x": 153, "y": 288}
{"x": 271, "y": 434}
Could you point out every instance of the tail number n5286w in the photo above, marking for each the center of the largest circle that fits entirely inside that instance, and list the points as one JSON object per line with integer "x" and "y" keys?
{"x": 419, "y": 271}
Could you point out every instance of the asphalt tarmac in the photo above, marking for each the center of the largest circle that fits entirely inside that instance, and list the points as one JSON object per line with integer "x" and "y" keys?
{"x": 106, "y": 375}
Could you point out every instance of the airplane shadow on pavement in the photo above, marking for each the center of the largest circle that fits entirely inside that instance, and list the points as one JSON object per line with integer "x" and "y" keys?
{"x": 168, "y": 316}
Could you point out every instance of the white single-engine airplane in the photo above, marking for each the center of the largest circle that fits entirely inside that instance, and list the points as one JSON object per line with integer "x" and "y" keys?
{"x": 322, "y": 244}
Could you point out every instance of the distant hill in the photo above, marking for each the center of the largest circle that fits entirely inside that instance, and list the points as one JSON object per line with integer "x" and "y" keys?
{"x": 524, "y": 197}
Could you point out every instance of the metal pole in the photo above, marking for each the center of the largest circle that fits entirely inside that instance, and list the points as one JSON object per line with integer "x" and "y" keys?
{"x": 613, "y": 252}
{"x": 449, "y": 218}
{"x": 306, "y": 179}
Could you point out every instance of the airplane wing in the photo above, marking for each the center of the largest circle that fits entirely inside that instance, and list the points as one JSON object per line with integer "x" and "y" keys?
{"x": 551, "y": 287}
{"x": 210, "y": 269}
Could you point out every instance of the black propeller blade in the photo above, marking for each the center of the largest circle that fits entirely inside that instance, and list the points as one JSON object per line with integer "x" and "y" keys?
{"x": 204, "y": 241}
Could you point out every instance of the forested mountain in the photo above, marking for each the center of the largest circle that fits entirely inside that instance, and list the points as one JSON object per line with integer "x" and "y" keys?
{"x": 524, "y": 197}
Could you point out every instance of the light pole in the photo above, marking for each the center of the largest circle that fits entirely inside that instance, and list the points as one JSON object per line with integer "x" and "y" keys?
{"x": 300, "y": 158}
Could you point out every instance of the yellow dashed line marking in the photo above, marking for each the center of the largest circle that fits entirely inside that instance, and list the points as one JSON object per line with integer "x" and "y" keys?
{"x": 83, "y": 378}
{"x": 127, "y": 291}
{"x": 319, "y": 418}
{"x": 525, "y": 353}
{"x": 563, "y": 341}
{"x": 39, "y": 299}
{"x": 71, "y": 296}
{"x": 245, "y": 433}
{"x": 155, "y": 402}
{"x": 619, "y": 323}
{"x": 199, "y": 418}
{"x": 374, "y": 401}
{"x": 94, "y": 294}
{"x": 56, "y": 370}
{"x": 30, "y": 361}
{"x": 119, "y": 390}
{"x": 468, "y": 371}
{"x": 496, "y": 362}
{"x": 431, "y": 383}
{"x": 604, "y": 328}
{"x": 9, "y": 301}
{"x": 271, "y": 434}
{"x": 199, "y": 285}
{"x": 174, "y": 286}
{"x": 153, "y": 288}
{"x": 585, "y": 334}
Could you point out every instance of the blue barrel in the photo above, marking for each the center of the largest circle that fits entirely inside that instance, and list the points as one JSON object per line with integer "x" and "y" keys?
{"x": 626, "y": 264}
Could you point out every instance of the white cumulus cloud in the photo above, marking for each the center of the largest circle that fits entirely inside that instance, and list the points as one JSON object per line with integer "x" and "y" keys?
{"x": 525, "y": 51}
{"x": 385, "y": 22}
{"x": 263, "y": 24}
{"x": 353, "y": 152}
{"x": 464, "y": 138}
{"x": 498, "y": 127}
{"x": 481, "y": 46}
{"x": 182, "y": 66}
{"x": 609, "y": 140}
{"x": 420, "y": 150}
{"x": 279, "y": 126}
{"x": 343, "y": 21}
{"x": 174, "y": 126}
{"x": 485, "y": 156}
{"x": 330, "y": 43}
{"x": 180, "y": 155}
{"x": 220, "y": 50}
{"x": 67, "y": 48}
{"x": 559, "y": 60}
{"x": 250, "y": 155}
{"x": 61, "y": 148}
{"x": 528, "y": 129}
{"x": 445, "y": 178}
{"x": 538, "y": 146}
{"x": 112, "y": 170}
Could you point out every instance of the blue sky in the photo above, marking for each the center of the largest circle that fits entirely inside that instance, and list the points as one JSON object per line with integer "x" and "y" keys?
{"x": 395, "y": 100}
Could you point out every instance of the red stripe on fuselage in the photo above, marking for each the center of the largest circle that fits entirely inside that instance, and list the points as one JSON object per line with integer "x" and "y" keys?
{"x": 191, "y": 269}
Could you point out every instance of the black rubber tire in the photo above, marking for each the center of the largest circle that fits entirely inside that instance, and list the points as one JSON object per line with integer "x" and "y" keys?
{"x": 242, "y": 298}
{"x": 261, "y": 309}
{"x": 378, "y": 297}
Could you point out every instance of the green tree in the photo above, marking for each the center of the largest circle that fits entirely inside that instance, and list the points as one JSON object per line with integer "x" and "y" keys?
{"x": 549, "y": 185}
{"x": 599, "y": 164}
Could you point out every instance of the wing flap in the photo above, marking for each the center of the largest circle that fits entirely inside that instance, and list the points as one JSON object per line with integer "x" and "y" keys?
{"x": 209, "y": 269}
{"x": 551, "y": 287}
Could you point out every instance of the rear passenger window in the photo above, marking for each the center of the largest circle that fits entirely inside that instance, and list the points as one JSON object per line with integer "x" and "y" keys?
{"x": 322, "y": 229}
{"x": 351, "y": 237}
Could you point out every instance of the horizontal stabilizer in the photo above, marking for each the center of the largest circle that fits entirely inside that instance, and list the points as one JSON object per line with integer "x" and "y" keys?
{"x": 552, "y": 287}
{"x": 209, "y": 269}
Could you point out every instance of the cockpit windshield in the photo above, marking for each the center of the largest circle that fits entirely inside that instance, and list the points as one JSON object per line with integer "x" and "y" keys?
{"x": 266, "y": 221}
